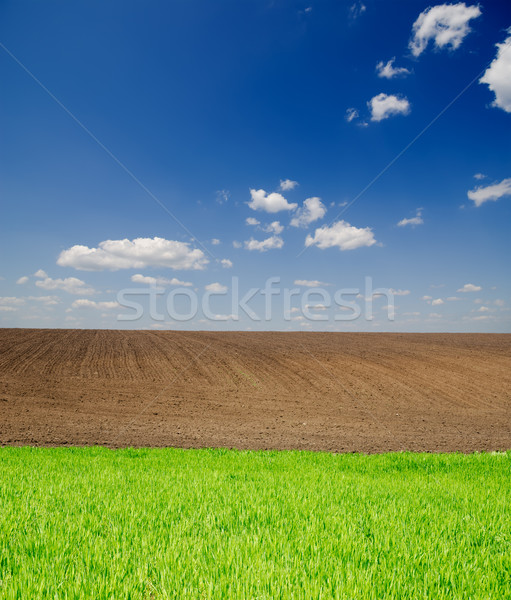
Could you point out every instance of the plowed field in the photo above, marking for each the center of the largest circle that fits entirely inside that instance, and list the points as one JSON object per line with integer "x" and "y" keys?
{"x": 339, "y": 392}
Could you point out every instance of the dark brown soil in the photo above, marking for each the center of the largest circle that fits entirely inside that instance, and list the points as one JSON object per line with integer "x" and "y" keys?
{"x": 342, "y": 392}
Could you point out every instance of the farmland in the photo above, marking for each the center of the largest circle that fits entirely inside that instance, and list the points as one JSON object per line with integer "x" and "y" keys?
{"x": 171, "y": 523}
{"x": 341, "y": 392}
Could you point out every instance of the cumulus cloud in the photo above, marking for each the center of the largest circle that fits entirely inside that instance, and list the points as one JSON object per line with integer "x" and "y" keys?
{"x": 85, "y": 303}
{"x": 384, "y": 106}
{"x": 351, "y": 114}
{"x": 215, "y": 241}
{"x": 399, "y": 292}
{"x": 271, "y": 203}
{"x": 216, "y": 288}
{"x": 498, "y": 75}
{"x": 272, "y": 243}
{"x": 22, "y": 280}
{"x": 148, "y": 280}
{"x": 470, "y": 287}
{"x": 11, "y": 301}
{"x": 312, "y": 210}
{"x": 310, "y": 283}
{"x": 226, "y": 263}
{"x": 446, "y": 25}
{"x": 274, "y": 227}
{"x": 389, "y": 71}
{"x": 134, "y": 254}
{"x": 437, "y": 302}
{"x": 479, "y": 176}
{"x": 417, "y": 220}
{"x": 71, "y": 285}
{"x": 252, "y": 221}
{"x": 287, "y": 184}
{"x": 493, "y": 192}
{"x": 342, "y": 235}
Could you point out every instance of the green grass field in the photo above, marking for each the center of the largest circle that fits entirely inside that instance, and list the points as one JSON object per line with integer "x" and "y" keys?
{"x": 166, "y": 523}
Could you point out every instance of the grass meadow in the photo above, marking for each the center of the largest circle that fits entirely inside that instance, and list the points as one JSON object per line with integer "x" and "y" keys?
{"x": 200, "y": 524}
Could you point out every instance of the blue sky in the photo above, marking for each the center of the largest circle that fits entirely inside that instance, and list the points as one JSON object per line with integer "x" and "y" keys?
{"x": 205, "y": 108}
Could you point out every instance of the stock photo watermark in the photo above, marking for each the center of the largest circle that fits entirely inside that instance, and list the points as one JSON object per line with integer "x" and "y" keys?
{"x": 257, "y": 304}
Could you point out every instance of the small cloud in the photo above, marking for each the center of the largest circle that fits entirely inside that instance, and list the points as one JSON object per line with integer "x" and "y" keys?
{"x": 479, "y": 176}
{"x": 470, "y": 287}
{"x": 452, "y": 299}
{"x": 437, "y": 302}
{"x": 22, "y": 280}
{"x": 310, "y": 283}
{"x": 274, "y": 227}
{"x": 426, "y": 298}
{"x": 341, "y": 235}
{"x": 287, "y": 184}
{"x": 435, "y": 316}
{"x": 417, "y": 220}
{"x": 313, "y": 209}
{"x": 271, "y": 203}
{"x": 85, "y": 303}
{"x": 389, "y": 71}
{"x": 147, "y": 280}
{"x": 216, "y": 288}
{"x": 252, "y": 221}
{"x": 226, "y": 263}
{"x": 446, "y": 25}
{"x": 223, "y": 196}
{"x": 71, "y": 285}
{"x": 493, "y": 192}
{"x": 499, "y": 302}
{"x": 272, "y": 243}
{"x": 236, "y": 244}
{"x": 357, "y": 9}
{"x": 215, "y": 241}
{"x": 384, "y": 106}
{"x": 351, "y": 114}
{"x": 399, "y": 292}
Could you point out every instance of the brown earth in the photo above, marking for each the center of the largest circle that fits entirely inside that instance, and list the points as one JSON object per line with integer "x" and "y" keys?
{"x": 343, "y": 392}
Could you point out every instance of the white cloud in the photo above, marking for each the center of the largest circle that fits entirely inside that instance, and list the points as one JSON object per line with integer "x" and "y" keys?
{"x": 216, "y": 288}
{"x": 479, "y": 176}
{"x": 499, "y": 302}
{"x": 437, "y": 302}
{"x": 11, "y": 301}
{"x": 312, "y": 210}
{"x": 498, "y": 75}
{"x": 71, "y": 285}
{"x": 148, "y": 280}
{"x": 226, "y": 263}
{"x": 222, "y": 196}
{"x": 399, "y": 292}
{"x": 452, "y": 299}
{"x": 351, "y": 114}
{"x": 252, "y": 221}
{"x": 22, "y": 280}
{"x": 493, "y": 192}
{"x": 287, "y": 184}
{"x": 215, "y": 241}
{"x": 357, "y": 9}
{"x": 426, "y": 298}
{"x": 417, "y": 220}
{"x": 435, "y": 316}
{"x": 271, "y": 243}
{"x": 133, "y": 254}
{"x": 483, "y": 309}
{"x": 384, "y": 106}
{"x": 389, "y": 71}
{"x": 444, "y": 24}
{"x": 271, "y": 203}
{"x": 310, "y": 283}
{"x": 85, "y": 303}
{"x": 341, "y": 234}
{"x": 274, "y": 227}
{"x": 470, "y": 287}
{"x": 236, "y": 244}
{"x": 46, "y": 300}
